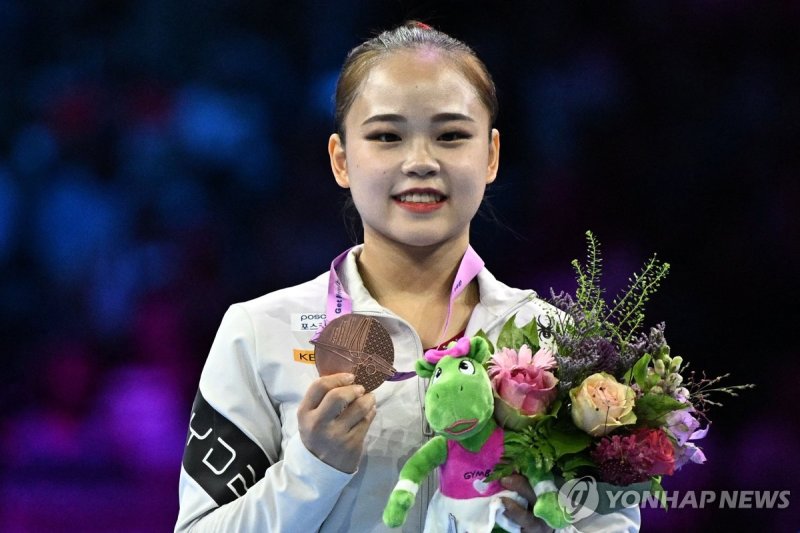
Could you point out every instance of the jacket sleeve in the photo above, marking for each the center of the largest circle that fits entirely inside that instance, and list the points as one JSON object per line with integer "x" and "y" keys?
{"x": 234, "y": 475}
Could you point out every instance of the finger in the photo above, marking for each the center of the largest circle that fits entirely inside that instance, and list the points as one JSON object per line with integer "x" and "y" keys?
{"x": 359, "y": 430}
{"x": 320, "y": 387}
{"x": 520, "y": 485}
{"x": 523, "y": 517}
{"x": 516, "y": 512}
{"x": 359, "y": 409}
{"x": 336, "y": 401}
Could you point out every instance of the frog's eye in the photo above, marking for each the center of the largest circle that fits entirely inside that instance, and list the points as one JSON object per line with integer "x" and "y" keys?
{"x": 466, "y": 367}
{"x": 436, "y": 375}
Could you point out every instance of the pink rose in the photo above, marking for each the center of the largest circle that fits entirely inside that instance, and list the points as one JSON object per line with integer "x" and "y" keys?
{"x": 523, "y": 380}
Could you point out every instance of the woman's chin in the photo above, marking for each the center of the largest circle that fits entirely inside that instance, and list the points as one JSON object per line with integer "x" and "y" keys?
{"x": 423, "y": 239}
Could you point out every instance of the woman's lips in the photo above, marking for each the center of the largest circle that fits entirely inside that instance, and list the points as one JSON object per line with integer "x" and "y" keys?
{"x": 420, "y": 200}
{"x": 420, "y": 207}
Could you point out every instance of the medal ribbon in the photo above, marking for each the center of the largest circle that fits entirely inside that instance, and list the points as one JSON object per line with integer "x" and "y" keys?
{"x": 339, "y": 302}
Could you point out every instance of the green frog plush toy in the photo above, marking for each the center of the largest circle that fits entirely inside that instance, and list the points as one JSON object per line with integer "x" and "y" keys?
{"x": 459, "y": 406}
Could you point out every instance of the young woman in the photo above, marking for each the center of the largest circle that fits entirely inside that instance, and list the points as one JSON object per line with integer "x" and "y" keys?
{"x": 274, "y": 447}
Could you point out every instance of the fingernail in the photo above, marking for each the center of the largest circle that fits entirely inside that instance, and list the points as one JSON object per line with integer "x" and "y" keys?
{"x": 349, "y": 378}
{"x": 360, "y": 390}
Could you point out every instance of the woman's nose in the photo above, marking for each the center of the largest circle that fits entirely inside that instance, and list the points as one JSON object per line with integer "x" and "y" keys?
{"x": 420, "y": 161}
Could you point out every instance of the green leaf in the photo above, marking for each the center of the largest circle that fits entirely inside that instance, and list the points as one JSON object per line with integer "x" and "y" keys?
{"x": 568, "y": 442}
{"x": 530, "y": 332}
{"x": 554, "y": 407}
{"x": 640, "y": 370}
{"x": 658, "y": 491}
{"x": 573, "y": 462}
{"x": 510, "y": 336}
{"x": 651, "y": 408}
{"x": 500, "y": 471}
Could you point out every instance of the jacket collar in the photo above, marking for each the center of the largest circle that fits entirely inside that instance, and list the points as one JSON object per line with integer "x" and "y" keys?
{"x": 497, "y": 300}
{"x": 354, "y": 284}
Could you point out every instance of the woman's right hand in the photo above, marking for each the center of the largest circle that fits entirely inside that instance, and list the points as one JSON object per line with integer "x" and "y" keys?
{"x": 334, "y": 417}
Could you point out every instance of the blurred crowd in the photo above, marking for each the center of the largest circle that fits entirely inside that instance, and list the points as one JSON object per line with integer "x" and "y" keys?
{"x": 160, "y": 161}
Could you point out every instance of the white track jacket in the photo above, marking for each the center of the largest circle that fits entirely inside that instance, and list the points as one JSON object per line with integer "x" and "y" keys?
{"x": 244, "y": 466}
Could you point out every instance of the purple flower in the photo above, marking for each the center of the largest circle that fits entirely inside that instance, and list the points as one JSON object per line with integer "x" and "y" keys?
{"x": 681, "y": 425}
{"x": 688, "y": 452}
{"x": 684, "y": 427}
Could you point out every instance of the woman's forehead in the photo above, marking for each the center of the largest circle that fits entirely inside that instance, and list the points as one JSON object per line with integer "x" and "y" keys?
{"x": 413, "y": 67}
{"x": 420, "y": 81}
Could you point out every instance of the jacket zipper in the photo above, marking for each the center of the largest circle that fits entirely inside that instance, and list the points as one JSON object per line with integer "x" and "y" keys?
{"x": 425, "y": 488}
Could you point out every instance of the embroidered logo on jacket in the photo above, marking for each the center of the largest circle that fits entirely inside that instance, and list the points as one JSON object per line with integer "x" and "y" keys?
{"x": 219, "y": 456}
{"x": 307, "y": 321}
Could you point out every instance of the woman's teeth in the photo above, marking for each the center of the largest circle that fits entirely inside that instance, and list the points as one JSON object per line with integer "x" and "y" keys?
{"x": 421, "y": 198}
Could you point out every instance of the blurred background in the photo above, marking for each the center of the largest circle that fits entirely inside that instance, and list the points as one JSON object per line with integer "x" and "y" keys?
{"x": 161, "y": 160}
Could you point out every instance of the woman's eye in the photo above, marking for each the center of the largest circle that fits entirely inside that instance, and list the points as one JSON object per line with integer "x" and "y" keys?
{"x": 451, "y": 136}
{"x": 384, "y": 137}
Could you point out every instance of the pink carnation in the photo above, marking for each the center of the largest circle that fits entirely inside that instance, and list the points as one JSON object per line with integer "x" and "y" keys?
{"x": 627, "y": 459}
{"x": 523, "y": 380}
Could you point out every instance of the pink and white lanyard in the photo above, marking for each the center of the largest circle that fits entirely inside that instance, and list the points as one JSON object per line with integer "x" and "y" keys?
{"x": 339, "y": 302}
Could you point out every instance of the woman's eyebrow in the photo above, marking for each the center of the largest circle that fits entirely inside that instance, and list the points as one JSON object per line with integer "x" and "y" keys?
{"x": 388, "y": 117}
{"x": 437, "y": 118}
{"x": 450, "y": 117}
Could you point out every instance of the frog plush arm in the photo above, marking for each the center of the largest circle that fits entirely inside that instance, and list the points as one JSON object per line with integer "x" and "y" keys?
{"x": 417, "y": 468}
{"x": 547, "y": 506}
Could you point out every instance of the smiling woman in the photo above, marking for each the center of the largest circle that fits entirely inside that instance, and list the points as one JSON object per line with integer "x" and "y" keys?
{"x": 417, "y": 159}
{"x": 415, "y": 145}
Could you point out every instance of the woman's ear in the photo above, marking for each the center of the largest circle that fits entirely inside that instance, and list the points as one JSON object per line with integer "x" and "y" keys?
{"x": 338, "y": 160}
{"x": 494, "y": 156}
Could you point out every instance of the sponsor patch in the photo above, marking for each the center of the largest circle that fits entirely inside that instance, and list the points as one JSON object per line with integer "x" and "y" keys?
{"x": 307, "y": 321}
{"x": 304, "y": 356}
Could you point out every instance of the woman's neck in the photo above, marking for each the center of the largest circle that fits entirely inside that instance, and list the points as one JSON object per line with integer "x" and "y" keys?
{"x": 391, "y": 270}
{"x": 415, "y": 283}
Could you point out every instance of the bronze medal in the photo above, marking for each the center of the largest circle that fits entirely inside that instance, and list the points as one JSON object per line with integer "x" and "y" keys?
{"x": 357, "y": 344}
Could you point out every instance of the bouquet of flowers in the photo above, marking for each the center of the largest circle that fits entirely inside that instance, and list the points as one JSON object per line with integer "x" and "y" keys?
{"x": 610, "y": 401}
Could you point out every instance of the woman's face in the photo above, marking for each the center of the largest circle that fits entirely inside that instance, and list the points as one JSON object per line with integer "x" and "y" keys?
{"x": 419, "y": 153}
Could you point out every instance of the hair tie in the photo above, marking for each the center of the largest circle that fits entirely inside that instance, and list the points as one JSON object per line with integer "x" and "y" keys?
{"x": 420, "y": 25}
